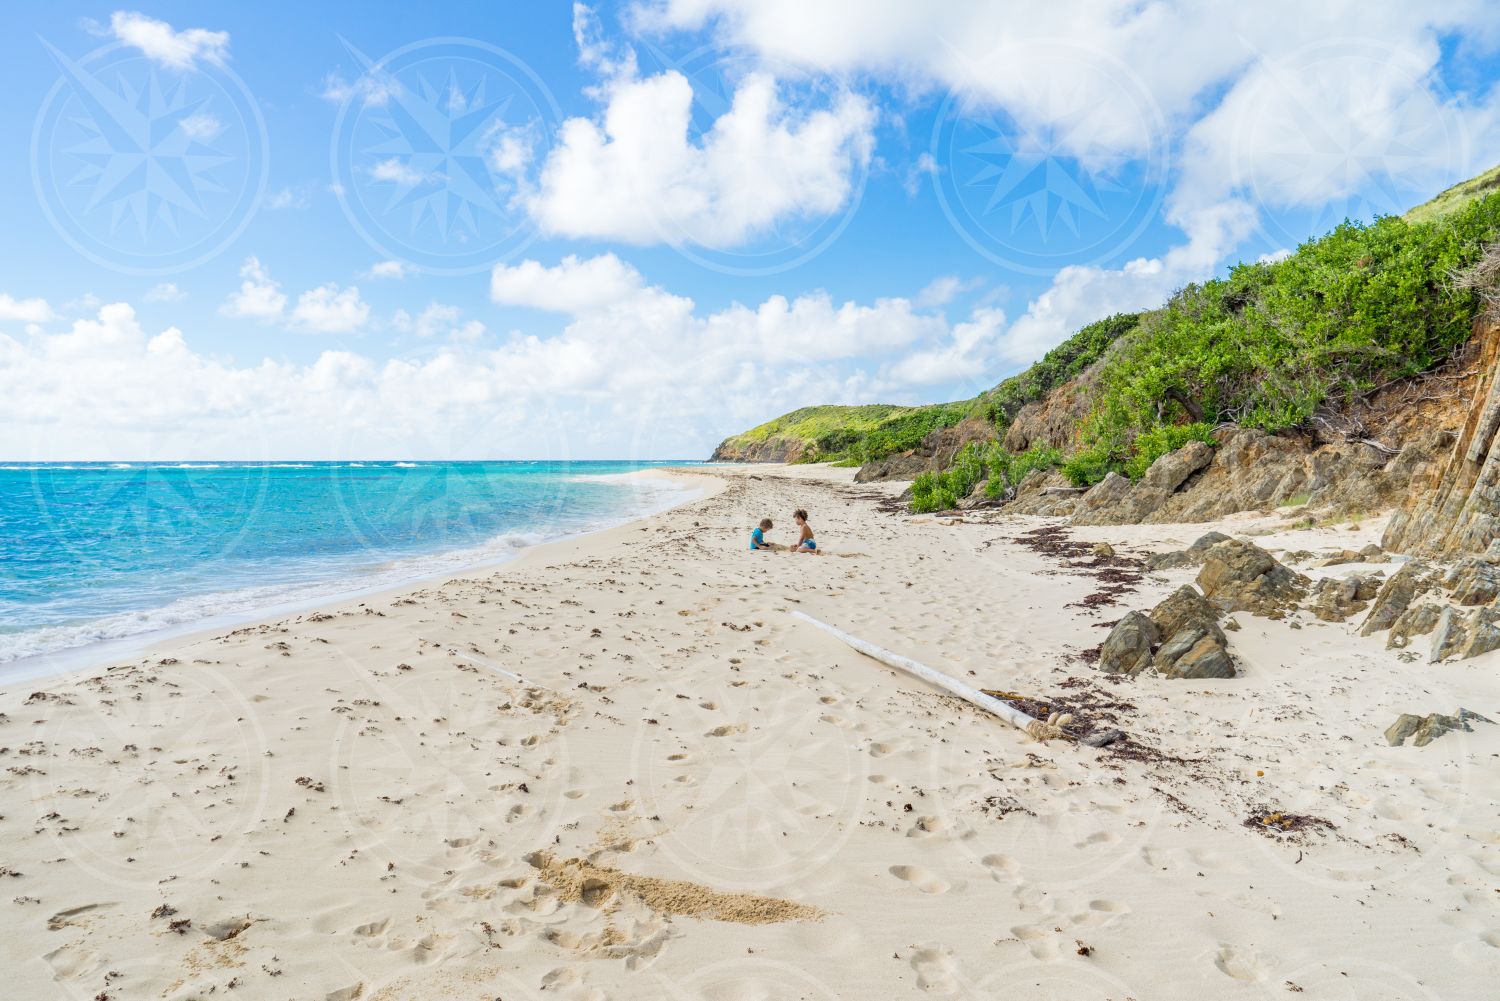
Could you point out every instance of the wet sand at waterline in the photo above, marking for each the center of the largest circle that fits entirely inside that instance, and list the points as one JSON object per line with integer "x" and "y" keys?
{"x": 618, "y": 767}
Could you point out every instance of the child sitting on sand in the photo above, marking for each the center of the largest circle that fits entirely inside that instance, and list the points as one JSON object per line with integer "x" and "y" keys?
{"x": 805, "y": 543}
{"x": 758, "y": 541}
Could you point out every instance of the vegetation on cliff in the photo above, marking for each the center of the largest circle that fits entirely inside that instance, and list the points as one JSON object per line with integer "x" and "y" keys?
{"x": 1273, "y": 345}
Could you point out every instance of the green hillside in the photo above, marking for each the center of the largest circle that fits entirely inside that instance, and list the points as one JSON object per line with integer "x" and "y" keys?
{"x": 1266, "y": 347}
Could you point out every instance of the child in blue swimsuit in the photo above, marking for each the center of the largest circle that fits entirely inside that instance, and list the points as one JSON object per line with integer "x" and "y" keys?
{"x": 758, "y": 541}
{"x": 805, "y": 543}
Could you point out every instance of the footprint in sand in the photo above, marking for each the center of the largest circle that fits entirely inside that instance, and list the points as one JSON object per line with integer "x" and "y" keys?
{"x": 1241, "y": 964}
{"x": 925, "y": 827}
{"x": 725, "y": 730}
{"x": 1002, "y": 867}
{"x": 1109, "y": 906}
{"x": 935, "y": 969}
{"x": 922, "y": 879}
{"x": 1038, "y": 940}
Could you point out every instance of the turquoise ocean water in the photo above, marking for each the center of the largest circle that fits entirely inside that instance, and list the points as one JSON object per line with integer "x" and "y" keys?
{"x": 101, "y": 553}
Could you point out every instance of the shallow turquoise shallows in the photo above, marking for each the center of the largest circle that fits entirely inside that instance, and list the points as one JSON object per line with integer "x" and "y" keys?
{"x": 91, "y": 552}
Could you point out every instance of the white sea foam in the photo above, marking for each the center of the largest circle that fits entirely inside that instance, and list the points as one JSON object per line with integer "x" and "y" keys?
{"x": 125, "y": 632}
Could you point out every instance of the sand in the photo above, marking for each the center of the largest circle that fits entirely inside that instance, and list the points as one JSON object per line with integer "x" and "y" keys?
{"x": 619, "y": 768}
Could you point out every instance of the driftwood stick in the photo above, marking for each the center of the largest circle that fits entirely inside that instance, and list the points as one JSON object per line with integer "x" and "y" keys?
{"x": 1040, "y": 729}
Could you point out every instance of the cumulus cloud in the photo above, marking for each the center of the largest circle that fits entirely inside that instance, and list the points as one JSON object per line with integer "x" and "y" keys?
{"x": 574, "y": 285}
{"x": 393, "y": 270}
{"x": 1268, "y": 106}
{"x": 329, "y": 309}
{"x": 372, "y": 89}
{"x": 161, "y": 44}
{"x": 634, "y": 370}
{"x": 639, "y": 176}
{"x": 165, "y": 292}
{"x": 438, "y": 320}
{"x": 14, "y": 310}
{"x": 259, "y": 296}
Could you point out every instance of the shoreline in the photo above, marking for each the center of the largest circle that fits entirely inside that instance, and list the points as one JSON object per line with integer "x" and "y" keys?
{"x": 620, "y": 767}
{"x": 88, "y": 656}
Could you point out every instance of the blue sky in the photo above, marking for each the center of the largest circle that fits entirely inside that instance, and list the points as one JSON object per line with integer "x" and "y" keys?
{"x": 520, "y": 230}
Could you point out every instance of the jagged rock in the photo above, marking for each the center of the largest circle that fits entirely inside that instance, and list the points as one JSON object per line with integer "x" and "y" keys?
{"x": 1186, "y": 609}
{"x": 1369, "y": 586}
{"x": 1334, "y": 599}
{"x": 1102, "y": 496}
{"x": 1423, "y": 730}
{"x": 1395, "y": 596}
{"x": 1464, "y": 634}
{"x": 1240, "y": 576}
{"x": 1190, "y": 557}
{"x": 1473, "y": 582}
{"x": 1127, "y": 649}
{"x": 1418, "y": 620}
{"x": 1206, "y": 658}
{"x": 1123, "y": 503}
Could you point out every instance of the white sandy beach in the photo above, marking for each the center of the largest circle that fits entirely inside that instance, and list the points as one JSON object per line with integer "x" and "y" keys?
{"x": 619, "y": 768}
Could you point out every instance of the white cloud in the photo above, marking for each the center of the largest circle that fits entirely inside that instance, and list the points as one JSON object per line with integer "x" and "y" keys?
{"x": 160, "y": 43}
{"x": 165, "y": 292}
{"x": 573, "y": 286}
{"x": 634, "y": 370}
{"x": 941, "y": 291}
{"x": 394, "y": 270}
{"x": 638, "y": 175}
{"x": 438, "y": 320}
{"x": 609, "y": 59}
{"x": 202, "y": 126}
{"x": 329, "y": 309}
{"x": 14, "y": 310}
{"x": 371, "y": 89}
{"x": 259, "y": 297}
{"x": 288, "y": 198}
{"x": 396, "y": 172}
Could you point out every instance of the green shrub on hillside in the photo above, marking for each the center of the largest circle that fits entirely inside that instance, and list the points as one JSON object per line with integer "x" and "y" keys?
{"x": 1270, "y": 344}
{"x": 896, "y": 433}
{"x": 1059, "y": 365}
{"x": 1156, "y": 442}
{"x": 975, "y": 463}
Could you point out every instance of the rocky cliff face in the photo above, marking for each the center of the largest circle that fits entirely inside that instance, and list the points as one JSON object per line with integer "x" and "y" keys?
{"x": 1454, "y": 509}
{"x": 771, "y": 450}
{"x": 936, "y": 452}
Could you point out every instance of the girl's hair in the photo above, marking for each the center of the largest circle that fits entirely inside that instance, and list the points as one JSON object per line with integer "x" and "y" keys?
{"x": 766, "y": 523}
{"x": 799, "y": 513}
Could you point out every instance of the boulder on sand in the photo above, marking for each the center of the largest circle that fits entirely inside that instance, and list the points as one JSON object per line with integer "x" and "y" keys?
{"x": 1423, "y": 730}
{"x": 1192, "y": 556}
{"x": 1127, "y": 649}
{"x": 1240, "y": 576}
{"x": 1395, "y": 596}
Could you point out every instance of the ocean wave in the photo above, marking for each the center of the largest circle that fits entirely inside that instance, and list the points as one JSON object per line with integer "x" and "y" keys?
{"x": 306, "y": 584}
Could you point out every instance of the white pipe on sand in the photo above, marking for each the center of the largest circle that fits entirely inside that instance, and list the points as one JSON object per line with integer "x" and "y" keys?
{"x": 1040, "y": 729}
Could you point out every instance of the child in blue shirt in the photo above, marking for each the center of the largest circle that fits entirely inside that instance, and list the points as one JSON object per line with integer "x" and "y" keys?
{"x": 758, "y": 541}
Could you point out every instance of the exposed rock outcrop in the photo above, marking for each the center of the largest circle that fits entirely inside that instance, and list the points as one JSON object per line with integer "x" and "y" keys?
{"x": 1454, "y": 509}
{"x": 1192, "y": 556}
{"x": 1423, "y": 730}
{"x": 936, "y": 452}
{"x": 1240, "y": 576}
{"x": 1396, "y": 595}
{"x": 1181, "y": 638}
